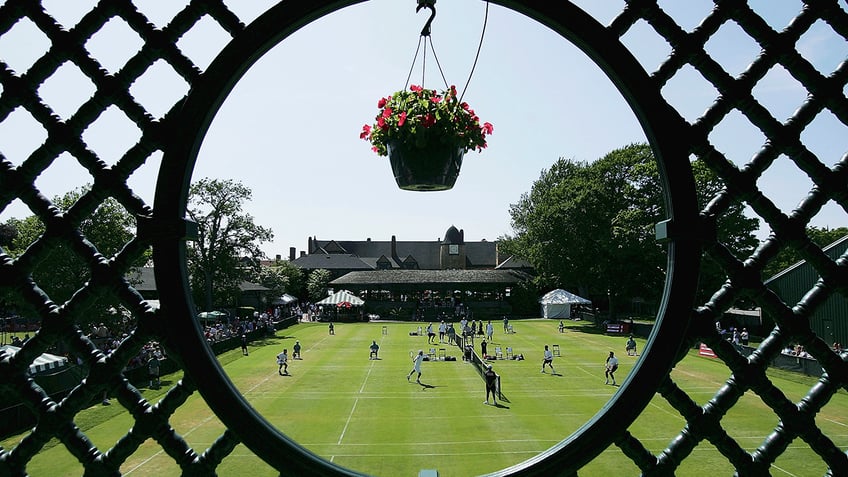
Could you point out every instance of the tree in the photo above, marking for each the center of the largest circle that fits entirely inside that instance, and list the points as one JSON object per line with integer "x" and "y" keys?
{"x": 62, "y": 272}
{"x": 281, "y": 277}
{"x": 318, "y": 283}
{"x": 590, "y": 226}
{"x": 226, "y": 251}
{"x": 8, "y": 233}
{"x": 790, "y": 256}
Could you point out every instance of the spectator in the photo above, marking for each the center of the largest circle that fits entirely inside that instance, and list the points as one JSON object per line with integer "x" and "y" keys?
{"x": 153, "y": 370}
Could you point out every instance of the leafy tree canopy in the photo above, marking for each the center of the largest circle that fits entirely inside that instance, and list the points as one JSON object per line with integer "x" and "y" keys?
{"x": 789, "y": 256}
{"x": 589, "y": 227}
{"x": 226, "y": 251}
{"x": 59, "y": 270}
{"x": 318, "y": 283}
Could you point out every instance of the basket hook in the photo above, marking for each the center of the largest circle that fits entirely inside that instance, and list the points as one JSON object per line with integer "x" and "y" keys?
{"x": 431, "y": 4}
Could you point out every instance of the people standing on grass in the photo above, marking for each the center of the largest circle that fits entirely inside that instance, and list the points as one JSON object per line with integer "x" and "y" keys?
{"x": 244, "y": 345}
{"x": 630, "y": 346}
{"x": 490, "y": 330}
{"x": 283, "y": 361}
{"x": 548, "y": 360}
{"x": 153, "y": 370}
{"x": 483, "y": 345}
{"x": 296, "y": 350}
{"x": 491, "y": 384}
{"x": 332, "y": 328}
{"x": 431, "y": 335}
{"x": 416, "y": 366}
{"x": 442, "y": 330}
{"x": 374, "y": 349}
{"x": 611, "y": 367}
{"x": 506, "y": 324}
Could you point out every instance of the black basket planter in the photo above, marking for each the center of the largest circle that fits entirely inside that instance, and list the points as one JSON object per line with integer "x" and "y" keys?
{"x": 429, "y": 168}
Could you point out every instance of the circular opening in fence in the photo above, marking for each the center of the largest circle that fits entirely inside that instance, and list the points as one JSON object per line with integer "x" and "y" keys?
{"x": 265, "y": 139}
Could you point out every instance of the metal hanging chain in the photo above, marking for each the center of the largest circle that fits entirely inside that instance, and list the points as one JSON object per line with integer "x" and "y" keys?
{"x": 425, "y": 36}
{"x": 477, "y": 56}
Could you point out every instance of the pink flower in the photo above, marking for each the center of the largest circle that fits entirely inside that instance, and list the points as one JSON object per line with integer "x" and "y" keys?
{"x": 488, "y": 128}
{"x": 402, "y": 119}
{"x": 436, "y": 99}
{"x": 416, "y": 88}
{"x": 387, "y": 112}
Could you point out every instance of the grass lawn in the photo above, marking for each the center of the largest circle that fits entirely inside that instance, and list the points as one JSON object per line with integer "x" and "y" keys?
{"x": 364, "y": 415}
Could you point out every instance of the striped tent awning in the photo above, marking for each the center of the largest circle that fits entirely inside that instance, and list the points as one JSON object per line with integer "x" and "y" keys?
{"x": 43, "y": 363}
{"x": 342, "y": 296}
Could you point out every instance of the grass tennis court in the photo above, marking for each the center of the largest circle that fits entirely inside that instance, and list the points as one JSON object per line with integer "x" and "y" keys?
{"x": 364, "y": 415}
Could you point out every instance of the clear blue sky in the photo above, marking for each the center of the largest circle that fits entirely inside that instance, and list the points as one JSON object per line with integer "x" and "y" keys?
{"x": 290, "y": 129}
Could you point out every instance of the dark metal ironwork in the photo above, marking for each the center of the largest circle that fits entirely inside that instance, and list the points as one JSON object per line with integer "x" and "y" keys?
{"x": 688, "y": 232}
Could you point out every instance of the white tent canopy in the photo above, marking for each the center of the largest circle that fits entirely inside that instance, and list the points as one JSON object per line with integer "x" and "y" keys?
{"x": 342, "y": 296}
{"x": 43, "y": 363}
{"x": 557, "y": 303}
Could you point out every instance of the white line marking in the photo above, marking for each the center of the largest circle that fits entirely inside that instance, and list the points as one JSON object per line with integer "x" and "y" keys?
{"x": 783, "y": 470}
{"x": 356, "y": 401}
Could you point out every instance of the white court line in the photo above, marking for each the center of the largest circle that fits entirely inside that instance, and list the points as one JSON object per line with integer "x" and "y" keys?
{"x": 356, "y": 401}
{"x": 678, "y": 416}
{"x": 783, "y": 470}
{"x": 836, "y": 422}
{"x": 160, "y": 451}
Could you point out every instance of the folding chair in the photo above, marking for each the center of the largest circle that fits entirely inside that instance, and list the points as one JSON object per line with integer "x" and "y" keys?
{"x": 556, "y": 350}
{"x": 442, "y": 354}
{"x": 432, "y": 353}
{"x": 498, "y": 353}
{"x": 385, "y": 330}
{"x": 509, "y": 354}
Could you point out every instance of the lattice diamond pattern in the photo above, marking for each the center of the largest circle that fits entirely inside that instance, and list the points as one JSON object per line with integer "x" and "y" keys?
{"x": 740, "y": 93}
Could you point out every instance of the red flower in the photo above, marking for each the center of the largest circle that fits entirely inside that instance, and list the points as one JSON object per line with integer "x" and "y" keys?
{"x": 382, "y": 102}
{"x": 416, "y": 88}
{"x": 436, "y": 99}
{"x": 429, "y": 120}
{"x": 402, "y": 119}
{"x": 381, "y": 123}
{"x": 366, "y": 131}
{"x": 488, "y": 128}
{"x": 387, "y": 112}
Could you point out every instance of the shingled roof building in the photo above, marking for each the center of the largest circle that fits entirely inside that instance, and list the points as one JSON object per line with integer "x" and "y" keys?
{"x": 450, "y": 253}
{"x": 395, "y": 273}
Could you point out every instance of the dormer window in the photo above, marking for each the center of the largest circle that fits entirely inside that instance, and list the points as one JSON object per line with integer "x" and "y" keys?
{"x": 453, "y": 249}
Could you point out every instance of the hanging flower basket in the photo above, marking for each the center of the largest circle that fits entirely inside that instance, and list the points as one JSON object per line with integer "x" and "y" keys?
{"x": 425, "y": 134}
{"x": 431, "y": 168}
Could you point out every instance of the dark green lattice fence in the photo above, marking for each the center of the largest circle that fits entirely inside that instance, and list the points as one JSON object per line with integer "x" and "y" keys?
{"x": 162, "y": 228}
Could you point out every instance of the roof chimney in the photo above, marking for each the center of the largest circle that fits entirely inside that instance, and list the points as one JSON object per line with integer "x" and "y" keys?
{"x": 292, "y": 253}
